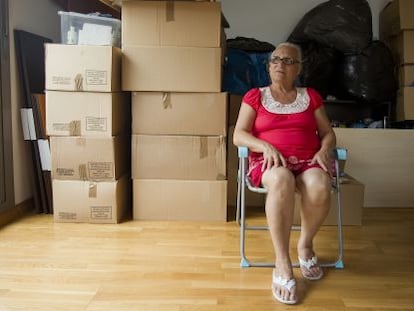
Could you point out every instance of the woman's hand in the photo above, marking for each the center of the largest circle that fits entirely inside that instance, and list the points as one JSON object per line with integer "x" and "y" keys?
{"x": 272, "y": 157}
{"x": 323, "y": 158}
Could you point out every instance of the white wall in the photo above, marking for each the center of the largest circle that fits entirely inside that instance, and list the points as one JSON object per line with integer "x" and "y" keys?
{"x": 39, "y": 17}
{"x": 274, "y": 20}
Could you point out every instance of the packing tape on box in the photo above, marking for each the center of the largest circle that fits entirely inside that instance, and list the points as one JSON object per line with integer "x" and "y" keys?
{"x": 79, "y": 82}
{"x": 93, "y": 190}
{"x": 203, "y": 147}
{"x": 170, "y": 11}
{"x": 81, "y": 141}
{"x": 82, "y": 172}
{"x": 166, "y": 100}
{"x": 221, "y": 141}
{"x": 75, "y": 128}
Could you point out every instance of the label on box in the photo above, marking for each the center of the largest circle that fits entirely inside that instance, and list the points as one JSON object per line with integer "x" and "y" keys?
{"x": 100, "y": 170}
{"x": 60, "y": 127}
{"x": 96, "y": 77}
{"x": 67, "y": 215}
{"x": 58, "y": 80}
{"x": 101, "y": 212}
{"x": 61, "y": 171}
{"x": 96, "y": 124}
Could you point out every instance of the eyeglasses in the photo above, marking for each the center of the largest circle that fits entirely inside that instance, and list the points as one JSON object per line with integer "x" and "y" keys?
{"x": 284, "y": 60}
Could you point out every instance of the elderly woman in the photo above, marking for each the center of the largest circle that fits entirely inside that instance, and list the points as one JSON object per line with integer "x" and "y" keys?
{"x": 290, "y": 138}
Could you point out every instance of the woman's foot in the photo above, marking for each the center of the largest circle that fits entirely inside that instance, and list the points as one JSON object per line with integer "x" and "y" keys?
{"x": 308, "y": 263}
{"x": 284, "y": 285}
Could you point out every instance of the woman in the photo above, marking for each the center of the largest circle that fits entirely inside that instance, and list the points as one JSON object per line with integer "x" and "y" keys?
{"x": 290, "y": 138}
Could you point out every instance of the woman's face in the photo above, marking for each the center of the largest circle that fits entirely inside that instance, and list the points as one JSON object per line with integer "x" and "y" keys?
{"x": 284, "y": 65}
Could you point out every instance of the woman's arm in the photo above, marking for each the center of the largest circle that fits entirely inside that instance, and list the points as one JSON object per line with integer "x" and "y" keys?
{"x": 327, "y": 137}
{"x": 243, "y": 137}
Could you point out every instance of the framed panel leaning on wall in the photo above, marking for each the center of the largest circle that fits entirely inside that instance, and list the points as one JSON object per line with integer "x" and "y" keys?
{"x": 6, "y": 157}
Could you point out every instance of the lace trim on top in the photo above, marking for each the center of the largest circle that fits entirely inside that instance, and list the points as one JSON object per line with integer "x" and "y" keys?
{"x": 300, "y": 104}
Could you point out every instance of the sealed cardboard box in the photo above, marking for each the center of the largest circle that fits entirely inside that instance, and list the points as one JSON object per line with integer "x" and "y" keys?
{"x": 402, "y": 47}
{"x": 162, "y": 23}
{"x": 179, "y": 113}
{"x": 252, "y": 199}
{"x": 171, "y": 69}
{"x": 396, "y": 16}
{"x": 382, "y": 160}
{"x": 178, "y": 157}
{"x": 406, "y": 75}
{"x": 87, "y": 114}
{"x": 352, "y": 202}
{"x": 234, "y": 107}
{"x": 405, "y": 104}
{"x": 82, "y": 68}
{"x": 92, "y": 202}
{"x": 79, "y": 158}
{"x": 169, "y": 199}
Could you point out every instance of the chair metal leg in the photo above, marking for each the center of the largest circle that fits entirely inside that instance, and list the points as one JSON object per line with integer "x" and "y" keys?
{"x": 245, "y": 262}
{"x": 242, "y": 208}
{"x": 241, "y": 221}
{"x": 238, "y": 201}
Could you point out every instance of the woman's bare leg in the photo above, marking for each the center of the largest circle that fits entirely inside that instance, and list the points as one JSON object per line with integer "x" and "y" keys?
{"x": 280, "y": 184}
{"x": 315, "y": 187}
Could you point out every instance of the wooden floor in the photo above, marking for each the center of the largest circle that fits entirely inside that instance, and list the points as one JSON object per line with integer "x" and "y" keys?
{"x": 182, "y": 266}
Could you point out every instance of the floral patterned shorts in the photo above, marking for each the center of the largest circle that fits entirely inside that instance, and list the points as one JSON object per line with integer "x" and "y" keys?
{"x": 294, "y": 164}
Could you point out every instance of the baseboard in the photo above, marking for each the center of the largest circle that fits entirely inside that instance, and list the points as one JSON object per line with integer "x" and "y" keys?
{"x": 16, "y": 212}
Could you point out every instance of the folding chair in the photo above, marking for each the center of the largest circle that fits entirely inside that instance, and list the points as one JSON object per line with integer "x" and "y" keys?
{"x": 244, "y": 182}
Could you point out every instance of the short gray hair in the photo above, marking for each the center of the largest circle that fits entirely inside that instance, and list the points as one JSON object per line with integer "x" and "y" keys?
{"x": 290, "y": 45}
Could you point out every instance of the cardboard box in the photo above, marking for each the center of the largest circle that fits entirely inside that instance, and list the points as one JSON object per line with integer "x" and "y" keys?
{"x": 406, "y": 75}
{"x": 169, "y": 199}
{"x": 234, "y": 107}
{"x": 178, "y": 157}
{"x": 87, "y": 114}
{"x": 83, "y": 68}
{"x": 405, "y": 104}
{"x": 78, "y": 158}
{"x": 179, "y": 113}
{"x": 402, "y": 47}
{"x": 171, "y": 69}
{"x": 181, "y": 23}
{"x": 352, "y": 202}
{"x": 92, "y": 202}
{"x": 396, "y": 16}
{"x": 252, "y": 199}
{"x": 382, "y": 159}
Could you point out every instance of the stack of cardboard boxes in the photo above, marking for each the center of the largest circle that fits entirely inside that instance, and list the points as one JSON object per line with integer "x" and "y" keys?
{"x": 252, "y": 199}
{"x": 396, "y": 25}
{"x": 88, "y": 121}
{"x": 172, "y": 62}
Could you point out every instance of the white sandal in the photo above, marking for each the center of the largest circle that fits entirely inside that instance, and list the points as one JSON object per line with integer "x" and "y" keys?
{"x": 285, "y": 284}
{"x": 309, "y": 263}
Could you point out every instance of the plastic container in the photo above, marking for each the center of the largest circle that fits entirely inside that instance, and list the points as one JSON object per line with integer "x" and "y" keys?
{"x": 79, "y": 28}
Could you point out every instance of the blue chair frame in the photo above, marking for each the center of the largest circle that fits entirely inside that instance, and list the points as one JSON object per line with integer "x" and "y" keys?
{"x": 244, "y": 182}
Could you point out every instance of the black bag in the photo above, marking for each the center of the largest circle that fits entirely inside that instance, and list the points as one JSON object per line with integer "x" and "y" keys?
{"x": 249, "y": 45}
{"x": 318, "y": 67}
{"x": 345, "y": 25}
{"x": 368, "y": 76}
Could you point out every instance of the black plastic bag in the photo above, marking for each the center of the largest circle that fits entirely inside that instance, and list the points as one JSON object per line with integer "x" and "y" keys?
{"x": 249, "y": 45}
{"x": 368, "y": 76}
{"x": 318, "y": 67}
{"x": 345, "y": 25}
